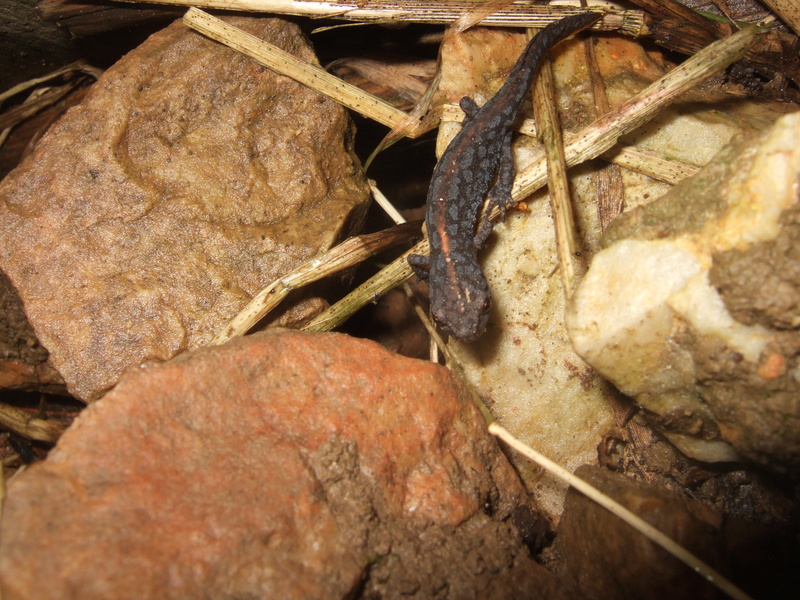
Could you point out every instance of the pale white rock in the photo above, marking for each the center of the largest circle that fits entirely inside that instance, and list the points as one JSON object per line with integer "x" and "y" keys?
{"x": 701, "y": 306}
{"x": 623, "y": 301}
{"x": 646, "y": 309}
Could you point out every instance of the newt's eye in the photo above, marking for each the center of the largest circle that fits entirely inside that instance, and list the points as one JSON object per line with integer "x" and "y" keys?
{"x": 487, "y": 304}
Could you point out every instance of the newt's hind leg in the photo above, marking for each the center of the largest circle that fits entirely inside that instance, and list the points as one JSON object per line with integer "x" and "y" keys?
{"x": 500, "y": 193}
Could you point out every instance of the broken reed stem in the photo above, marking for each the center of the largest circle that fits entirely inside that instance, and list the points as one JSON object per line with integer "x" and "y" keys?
{"x": 558, "y": 186}
{"x": 696, "y": 564}
{"x": 284, "y": 63}
{"x": 631, "y": 22}
{"x": 28, "y": 426}
{"x": 350, "y": 252}
{"x": 376, "y": 286}
{"x": 601, "y": 135}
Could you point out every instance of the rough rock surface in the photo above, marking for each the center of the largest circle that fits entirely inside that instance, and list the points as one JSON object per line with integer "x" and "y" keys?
{"x": 281, "y": 465}
{"x": 188, "y": 179}
{"x": 609, "y": 559}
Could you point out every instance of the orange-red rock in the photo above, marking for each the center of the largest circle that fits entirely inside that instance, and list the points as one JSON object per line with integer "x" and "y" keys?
{"x": 281, "y": 465}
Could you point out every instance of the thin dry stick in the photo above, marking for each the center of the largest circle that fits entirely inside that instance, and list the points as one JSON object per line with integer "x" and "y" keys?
{"x": 284, "y": 63}
{"x": 352, "y": 251}
{"x": 631, "y": 22}
{"x": 385, "y": 204}
{"x": 696, "y": 564}
{"x": 420, "y": 120}
{"x": 609, "y": 188}
{"x": 545, "y": 108}
{"x": 601, "y": 135}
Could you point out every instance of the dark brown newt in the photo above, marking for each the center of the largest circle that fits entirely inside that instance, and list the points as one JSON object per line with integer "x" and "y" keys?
{"x": 478, "y": 156}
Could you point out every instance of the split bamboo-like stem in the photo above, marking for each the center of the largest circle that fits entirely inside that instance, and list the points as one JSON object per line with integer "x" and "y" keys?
{"x": 519, "y": 14}
{"x": 397, "y": 272}
{"x": 642, "y": 160}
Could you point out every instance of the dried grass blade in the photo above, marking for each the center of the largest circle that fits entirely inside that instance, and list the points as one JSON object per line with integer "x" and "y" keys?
{"x": 650, "y": 163}
{"x": 76, "y": 66}
{"x": 284, "y": 63}
{"x": 34, "y": 104}
{"x": 350, "y": 252}
{"x": 475, "y": 15}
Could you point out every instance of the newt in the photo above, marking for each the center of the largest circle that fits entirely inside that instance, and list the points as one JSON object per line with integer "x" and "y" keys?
{"x": 478, "y": 163}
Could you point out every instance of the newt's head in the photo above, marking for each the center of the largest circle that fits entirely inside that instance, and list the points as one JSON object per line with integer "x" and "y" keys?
{"x": 462, "y": 308}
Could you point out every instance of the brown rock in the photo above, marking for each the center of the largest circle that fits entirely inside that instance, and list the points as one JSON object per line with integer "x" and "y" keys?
{"x": 281, "y": 465}
{"x": 188, "y": 179}
{"x": 608, "y": 559}
{"x": 758, "y": 404}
